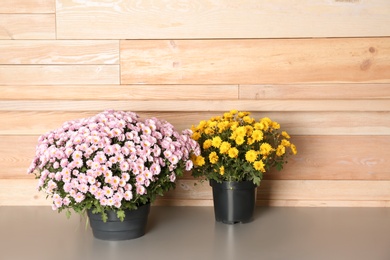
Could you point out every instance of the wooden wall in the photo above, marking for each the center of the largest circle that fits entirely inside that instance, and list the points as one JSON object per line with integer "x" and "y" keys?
{"x": 320, "y": 68}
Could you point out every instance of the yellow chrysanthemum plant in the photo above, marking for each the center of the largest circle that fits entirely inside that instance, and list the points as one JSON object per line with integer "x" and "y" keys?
{"x": 236, "y": 147}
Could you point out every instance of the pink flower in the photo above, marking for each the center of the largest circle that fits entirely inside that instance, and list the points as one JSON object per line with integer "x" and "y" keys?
{"x": 83, "y": 188}
{"x": 173, "y": 159}
{"x": 128, "y": 195}
{"x": 141, "y": 190}
{"x": 108, "y": 192}
{"x": 189, "y": 165}
{"x": 125, "y": 176}
{"x": 155, "y": 169}
{"x": 78, "y": 163}
{"x": 79, "y": 197}
{"x": 77, "y": 155}
{"x": 93, "y": 189}
{"x": 140, "y": 179}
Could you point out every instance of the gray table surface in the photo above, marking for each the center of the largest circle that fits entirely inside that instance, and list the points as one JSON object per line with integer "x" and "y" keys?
{"x": 191, "y": 233}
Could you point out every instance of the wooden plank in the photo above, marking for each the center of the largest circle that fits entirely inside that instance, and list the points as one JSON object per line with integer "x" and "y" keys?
{"x": 27, "y": 6}
{"x": 337, "y": 158}
{"x": 58, "y": 74}
{"x": 194, "y": 105}
{"x": 278, "y": 203}
{"x": 315, "y": 91}
{"x": 296, "y": 123}
{"x": 27, "y": 26}
{"x": 221, "y": 19}
{"x": 318, "y": 158}
{"x": 296, "y": 190}
{"x": 270, "y": 193}
{"x": 17, "y": 153}
{"x": 59, "y": 52}
{"x": 256, "y": 61}
{"x": 118, "y": 92}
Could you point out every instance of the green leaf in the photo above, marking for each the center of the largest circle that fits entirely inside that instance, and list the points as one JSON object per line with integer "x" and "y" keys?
{"x": 121, "y": 214}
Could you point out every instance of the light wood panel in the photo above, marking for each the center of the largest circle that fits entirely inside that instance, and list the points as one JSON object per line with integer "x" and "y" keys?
{"x": 315, "y": 91}
{"x": 27, "y": 26}
{"x": 197, "y": 105}
{"x": 58, "y": 74}
{"x": 119, "y": 92}
{"x": 318, "y": 158}
{"x": 296, "y": 123}
{"x": 264, "y": 61}
{"x": 59, "y": 52}
{"x": 117, "y": 19}
{"x": 27, "y": 6}
{"x": 275, "y": 193}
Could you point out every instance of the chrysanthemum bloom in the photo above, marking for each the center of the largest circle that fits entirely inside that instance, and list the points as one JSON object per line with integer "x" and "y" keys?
{"x": 213, "y": 157}
{"x": 251, "y": 156}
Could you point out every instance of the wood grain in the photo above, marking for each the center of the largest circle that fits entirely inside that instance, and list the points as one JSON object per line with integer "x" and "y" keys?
{"x": 27, "y": 26}
{"x": 27, "y": 6}
{"x": 318, "y": 158}
{"x": 315, "y": 91}
{"x": 194, "y": 105}
{"x": 58, "y": 74}
{"x": 118, "y": 92}
{"x": 59, "y": 52}
{"x": 117, "y": 19}
{"x": 256, "y": 61}
{"x": 296, "y": 123}
{"x": 270, "y": 193}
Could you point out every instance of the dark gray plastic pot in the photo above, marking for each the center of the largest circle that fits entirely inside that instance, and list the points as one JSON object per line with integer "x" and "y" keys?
{"x": 133, "y": 226}
{"x": 234, "y": 202}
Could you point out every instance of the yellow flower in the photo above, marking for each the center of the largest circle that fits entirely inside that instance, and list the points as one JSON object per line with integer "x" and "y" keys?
{"x": 233, "y": 112}
{"x": 275, "y": 125}
{"x": 224, "y": 148}
{"x": 216, "y": 142}
{"x": 294, "y": 149}
{"x": 250, "y": 141}
{"x": 222, "y": 126}
{"x": 233, "y": 126}
{"x": 285, "y": 135}
{"x": 280, "y": 150}
{"x": 212, "y": 123}
{"x": 209, "y": 131}
{"x": 233, "y": 152}
{"x": 265, "y": 149}
{"x": 258, "y": 126}
{"x": 257, "y": 135}
{"x": 207, "y": 144}
{"x": 242, "y": 114}
{"x": 240, "y": 140}
{"x": 285, "y": 143}
{"x": 241, "y": 131}
{"x": 249, "y": 130}
{"x": 195, "y": 136}
{"x": 251, "y": 156}
{"x": 201, "y": 124}
{"x": 222, "y": 170}
{"x": 259, "y": 166}
{"x": 248, "y": 119}
{"x": 227, "y": 116}
{"x": 265, "y": 122}
{"x": 199, "y": 160}
{"x": 213, "y": 157}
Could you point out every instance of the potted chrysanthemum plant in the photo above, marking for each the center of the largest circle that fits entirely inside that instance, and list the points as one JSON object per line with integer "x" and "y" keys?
{"x": 113, "y": 166}
{"x": 236, "y": 151}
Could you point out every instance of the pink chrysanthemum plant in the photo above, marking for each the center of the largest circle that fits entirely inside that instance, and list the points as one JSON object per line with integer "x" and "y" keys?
{"x": 236, "y": 147}
{"x": 111, "y": 161}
